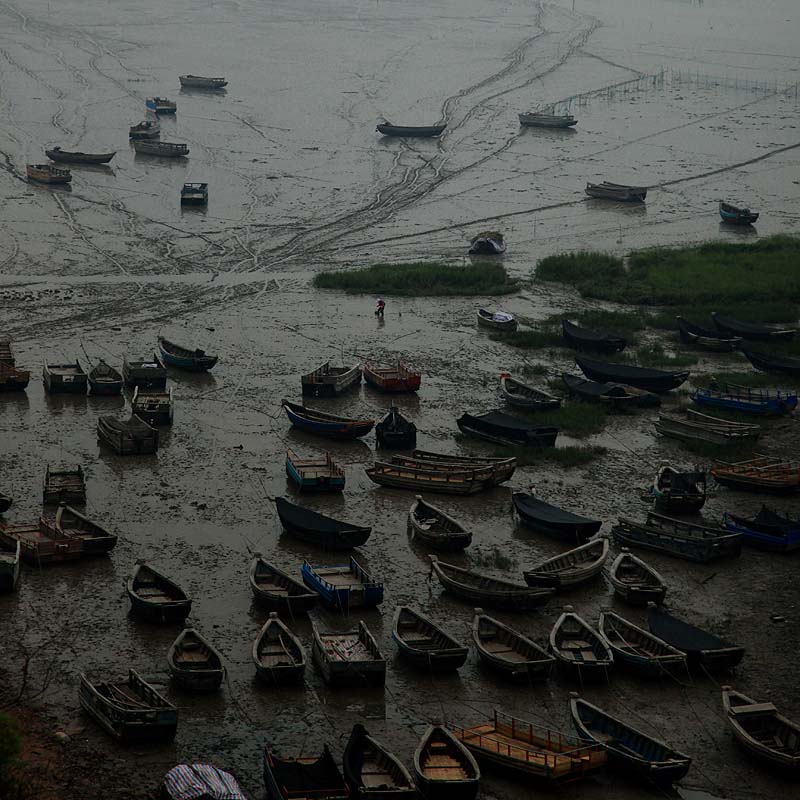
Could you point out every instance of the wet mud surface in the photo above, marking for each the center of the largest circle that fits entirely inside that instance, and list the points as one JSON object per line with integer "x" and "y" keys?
{"x": 299, "y": 182}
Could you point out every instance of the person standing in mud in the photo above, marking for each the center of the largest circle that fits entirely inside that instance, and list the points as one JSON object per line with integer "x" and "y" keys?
{"x": 379, "y": 306}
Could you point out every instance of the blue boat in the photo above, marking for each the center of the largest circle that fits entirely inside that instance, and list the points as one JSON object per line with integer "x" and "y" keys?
{"x": 185, "y": 358}
{"x": 322, "y": 424}
{"x": 160, "y": 105}
{"x": 321, "y": 474}
{"x": 344, "y": 587}
{"x": 746, "y": 399}
{"x": 737, "y": 216}
{"x": 768, "y": 530}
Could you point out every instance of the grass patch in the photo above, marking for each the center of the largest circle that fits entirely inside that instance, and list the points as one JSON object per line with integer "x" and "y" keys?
{"x": 531, "y": 370}
{"x": 623, "y": 322}
{"x": 654, "y": 355}
{"x": 575, "y": 419}
{"x": 533, "y": 340}
{"x": 420, "y": 279}
{"x": 581, "y": 269}
{"x": 493, "y": 559}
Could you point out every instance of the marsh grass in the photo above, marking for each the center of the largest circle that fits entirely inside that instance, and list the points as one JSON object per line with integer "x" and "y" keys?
{"x": 575, "y": 419}
{"x": 493, "y": 559}
{"x": 654, "y": 355}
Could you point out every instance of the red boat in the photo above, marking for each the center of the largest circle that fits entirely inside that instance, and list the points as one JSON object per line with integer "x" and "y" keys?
{"x": 399, "y": 378}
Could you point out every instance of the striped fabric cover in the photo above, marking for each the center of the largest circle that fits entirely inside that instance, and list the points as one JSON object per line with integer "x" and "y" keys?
{"x": 201, "y": 782}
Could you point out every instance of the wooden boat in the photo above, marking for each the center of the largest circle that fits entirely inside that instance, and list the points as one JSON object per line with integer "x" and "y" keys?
{"x": 487, "y": 243}
{"x": 318, "y": 529}
{"x": 64, "y": 486}
{"x": 539, "y": 756}
{"x": 277, "y": 653}
{"x": 499, "y": 469}
{"x": 615, "y": 396}
{"x": 572, "y": 568}
{"x": 593, "y": 341}
{"x": 194, "y": 194}
{"x": 351, "y": 658}
{"x": 492, "y": 592}
{"x": 444, "y": 768}
{"x": 328, "y": 381}
{"x": 424, "y": 644}
{"x": 501, "y": 428}
{"x": 104, "y": 380}
{"x": 733, "y": 215}
{"x": 160, "y": 105}
{"x": 497, "y": 320}
{"x": 6, "y": 353}
{"x": 394, "y": 431}
{"x": 508, "y": 652}
{"x": 47, "y": 173}
{"x": 155, "y": 597}
{"x": 148, "y": 374}
{"x": 767, "y": 363}
{"x": 343, "y": 586}
{"x": 762, "y": 731}
{"x": 768, "y": 530}
{"x": 322, "y": 424}
{"x": 13, "y": 379}
{"x": 392, "y": 380}
{"x": 760, "y": 474}
{"x": 186, "y": 358}
{"x": 651, "y": 380}
{"x": 10, "y": 554}
{"x": 372, "y": 771}
{"x": 64, "y": 378}
{"x": 617, "y": 191}
{"x": 679, "y": 538}
{"x": 199, "y": 782}
{"x": 520, "y": 395}
{"x": 127, "y": 437}
{"x": 146, "y": 129}
{"x": 634, "y": 581}
{"x": 580, "y": 651}
{"x": 552, "y": 520}
{"x": 194, "y": 664}
{"x": 40, "y": 546}
{"x": 417, "y": 131}
{"x": 131, "y": 710}
{"x": 751, "y": 330}
{"x": 628, "y": 748}
{"x": 537, "y": 119}
{"x": 303, "y": 778}
{"x": 76, "y": 157}
{"x": 706, "y": 338}
{"x": 699, "y": 427}
{"x": 703, "y": 650}
{"x": 5, "y": 502}
{"x": 94, "y": 538}
{"x": 677, "y": 492}
{"x": 276, "y": 590}
{"x": 154, "y": 408}
{"x": 321, "y": 474}
{"x": 199, "y": 82}
{"x": 150, "y": 147}
{"x": 434, "y": 528}
{"x": 446, "y": 480}
{"x": 637, "y": 649}
{"x": 746, "y": 399}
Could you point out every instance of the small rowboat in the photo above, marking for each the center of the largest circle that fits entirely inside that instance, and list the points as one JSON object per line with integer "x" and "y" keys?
{"x": 501, "y": 428}
{"x": 194, "y": 194}
{"x": 277, "y": 654}
{"x": 199, "y": 82}
{"x": 10, "y": 553}
{"x": 321, "y": 474}
{"x": 372, "y": 771}
{"x": 613, "y": 395}
{"x": 651, "y": 380}
{"x": 768, "y": 530}
{"x": 732, "y": 215}
{"x": 40, "y": 545}
{"x": 147, "y": 129}
{"x": 487, "y": 243}
{"x": 318, "y": 529}
{"x": 343, "y": 586}
{"x": 635, "y": 581}
{"x": 13, "y": 379}
{"x": 499, "y": 469}
{"x": 147, "y": 373}
{"x": 497, "y": 320}
{"x": 552, "y": 520}
{"x": 761, "y": 474}
{"x": 539, "y": 120}
{"x": 492, "y": 592}
{"x": 572, "y": 568}
{"x": 394, "y": 431}
{"x": 698, "y": 427}
{"x": 322, "y": 424}
{"x": 160, "y": 105}
{"x": 277, "y": 591}
{"x": 127, "y": 437}
{"x": 762, "y": 731}
{"x": 76, "y": 157}
{"x": 47, "y": 173}
{"x": 628, "y": 748}
{"x": 194, "y": 664}
{"x": 186, "y": 358}
{"x": 432, "y": 479}
{"x": 154, "y": 408}
{"x": 767, "y": 363}
{"x": 637, "y": 649}
{"x": 328, "y": 381}
{"x": 64, "y": 486}
{"x": 303, "y": 778}
{"x": 746, "y": 399}
{"x": 706, "y": 338}
{"x": 444, "y": 768}
{"x": 677, "y": 492}
{"x": 155, "y": 597}
{"x": 591, "y": 340}
{"x": 392, "y": 380}
{"x": 751, "y": 330}
{"x": 617, "y": 191}
{"x": 508, "y": 652}
{"x": 436, "y": 529}
{"x": 64, "y": 378}
{"x": 580, "y": 651}
{"x": 425, "y": 644}
{"x": 94, "y": 538}
{"x": 520, "y": 395}
{"x": 150, "y": 147}
{"x": 351, "y": 658}
{"x": 417, "y": 131}
{"x": 104, "y": 380}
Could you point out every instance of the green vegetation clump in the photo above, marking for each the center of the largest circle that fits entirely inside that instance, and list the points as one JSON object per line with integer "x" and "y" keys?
{"x": 626, "y": 323}
{"x": 574, "y": 419}
{"x": 581, "y": 269}
{"x": 654, "y": 355}
{"x": 420, "y": 279}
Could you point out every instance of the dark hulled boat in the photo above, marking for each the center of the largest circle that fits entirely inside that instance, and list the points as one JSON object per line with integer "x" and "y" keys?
{"x": 637, "y": 649}
{"x": 651, "y": 380}
{"x": 706, "y": 338}
{"x": 746, "y": 399}
{"x": 277, "y": 591}
{"x": 186, "y": 358}
{"x": 416, "y": 131}
{"x": 64, "y": 486}
{"x": 435, "y": 528}
{"x": 733, "y": 215}
{"x": 76, "y": 157}
{"x": 751, "y": 330}
{"x": 155, "y": 597}
{"x": 343, "y": 586}
{"x": 580, "y": 651}
{"x": 572, "y": 568}
{"x": 444, "y": 768}
{"x": 677, "y": 492}
{"x": 767, "y": 363}
{"x": 10, "y": 553}
{"x": 424, "y": 644}
{"x": 552, "y": 520}
{"x": 194, "y": 664}
{"x": 396, "y": 432}
{"x": 325, "y": 532}
{"x": 767, "y": 530}
{"x": 64, "y": 378}
{"x": 13, "y": 379}
{"x": 593, "y": 341}
{"x": 278, "y": 656}
{"x": 127, "y": 437}
{"x": 104, "y": 379}
{"x": 500, "y": 428}
{"x": 372, "y": 771}
{"x": 634, "y": 581}
{"x": 520, "y": 395}
{"x": 322, "y": 424}
{"x": 304, "y": 777}
{"x": 147, "y": 374}
{"x": 614, "y": 396}
{"x": 348, "y": 658}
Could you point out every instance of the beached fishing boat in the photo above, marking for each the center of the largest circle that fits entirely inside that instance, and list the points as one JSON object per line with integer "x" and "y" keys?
{"x": 594, "y": 341}
{"x": 127, "y": 437}
{"x": 444, "y": 768}
{"x": 698, "y": 427}
{"x": 637, "y": 649}
{"x": 277, "y": 591}
{"x": 769, "y": 363}
{"x": 572, "y": 568}
{"x": 194, "y": 194}
{"x": 199, "y": 782}
{"x": 160, "y": 105}
{"x": 615, "y": 396}
{"x": 186, "y": 358}
{"x": 104, "y": 380}
{"x": 431, "y": 479}
{"x": 329, "y": 425}
{"x": 538, "y": 119}
{"x": 5, "y": 502}
{"x": 703, "y": 650}
{"x": 580, "y": 651}
{"x": 767, "y": 530}
{"x": 372, "y": 771}
{"x": 149, "y": 374}
{"x": 64, "y": 378}
{"x": 40, "y": 545}
{"x": 500, "y": 469}
{"x": 146, "y": 129}
{"x": 707, "y": 338}
{"x": 396, "y": 379}
{"x": 304, "y": 777}
{"x": 47, "y": 173}
{"x": 751, "y": 330}
{"x": 150, "y": 147}
{"x": 350, "y": 658}
{"x": 320, "y": 474}
{"x": 194, "y": 664}
{"x": 677, "y": 492}
{"x": 762, "y": 731}
{"x": 425, "y": 644}
{"x": 94, "y": 538}
{"x": 651, "y": 380}
{"x": 492, "y": 592}
{"x": 635, "y": 581}
{"x": 64, "y": 486}
{"x": 130, "y": 710}
{"x": 200, "y": 82}
{"x": 501, "y": 428}
{"x": 417, "y": 131}
{"x": 155, "y": 597}
{"x": 628, "y": 748}
{"x": 328, "y": 381}
{"x": 487, "y": 243}
{"x": 510, "y": 654}
{"x": 497, "y": 320}
{"x": 152, "y": 407}
{"x": 617, "y": 191}
{"x": 760, "y": 474}
{"x": 318, "y": 529}
{"x": 679, "y": 538}
{"x": 343, "y": 586}
{"x": 278, "y": 656}
{"x": 394, "y": 431}
{"x": 435, "y": 528}
{"x": 521, "y": 395}
{"x": 552, "y": 520}
{"x": 733, "y": 215}
{"x": 13, "y": 379}
{"x": 746, "y": 399}
{"x": 76, "y": 157}
{"x": 10, "y": 555}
